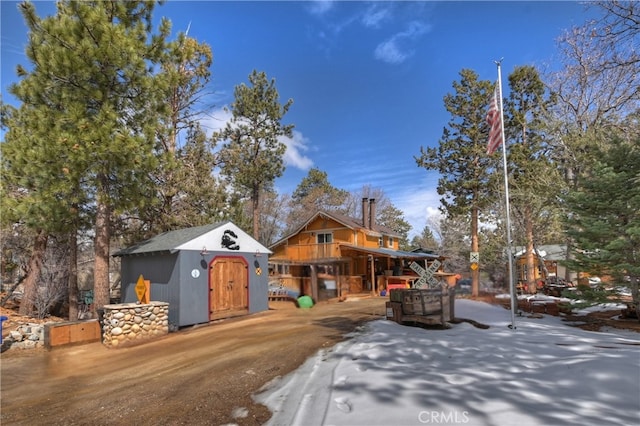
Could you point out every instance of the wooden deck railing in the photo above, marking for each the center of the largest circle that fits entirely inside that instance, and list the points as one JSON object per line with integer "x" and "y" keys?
{"x": 313, "y": 252}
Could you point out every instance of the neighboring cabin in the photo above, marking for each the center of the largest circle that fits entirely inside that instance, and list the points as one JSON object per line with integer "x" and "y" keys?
{"x": 333, "y": 255}
{"x": 549, "y": 266}
{"x": 204, "y": 273}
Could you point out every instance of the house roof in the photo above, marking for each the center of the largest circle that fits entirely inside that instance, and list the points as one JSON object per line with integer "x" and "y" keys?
{"x": 394, "y": 254}
{"x": 345, "y": 220}
{"x": 207, "y": 237}
{"x": 547, "y": 251}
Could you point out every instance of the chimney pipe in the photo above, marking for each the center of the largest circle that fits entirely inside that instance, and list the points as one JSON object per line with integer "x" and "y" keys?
{"x": 372, "y": 213}
{"x": 365, "y": 213}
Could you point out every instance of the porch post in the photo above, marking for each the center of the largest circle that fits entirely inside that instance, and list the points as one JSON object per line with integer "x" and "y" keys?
{"x": 314, "y": 283}
{"x": 374, "y": 285}
{"x": 339, "y": 279}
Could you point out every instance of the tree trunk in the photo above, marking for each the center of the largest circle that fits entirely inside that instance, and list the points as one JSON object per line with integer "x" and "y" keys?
{"x": 101, "y": 267}
{"x": 475, "y": 273}
{"x": 72, "y": 285}
{"x": 543, "y": 266}
{"x": 255, "y": 199}
{"x": 530, "y": 259}
{"x": 33, "y": 273}
{"x": 570, "y": 174}
{"x": 635, "y": 294}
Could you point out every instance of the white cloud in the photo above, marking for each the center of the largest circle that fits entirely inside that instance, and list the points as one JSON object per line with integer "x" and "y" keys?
{"x": 418, "y": 202}
{"x": 388, "y": 51}
{"x": 294, "y": 156}
{"x": 320, "y": 7}
{"x": 296, "y": 145}
{"x": 215, "y": 120}
{"x": 396, "y": 49}
{"x": 374, "y": 15}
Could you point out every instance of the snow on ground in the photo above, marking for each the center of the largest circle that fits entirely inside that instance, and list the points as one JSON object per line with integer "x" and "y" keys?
{"x": 543, "y": 373}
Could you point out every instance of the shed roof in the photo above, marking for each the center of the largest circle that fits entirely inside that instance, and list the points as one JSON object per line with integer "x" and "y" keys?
{"x": 206, "y": 237}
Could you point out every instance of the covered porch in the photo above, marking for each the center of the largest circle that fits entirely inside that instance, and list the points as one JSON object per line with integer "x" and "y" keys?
{"x": 357, "y": 270}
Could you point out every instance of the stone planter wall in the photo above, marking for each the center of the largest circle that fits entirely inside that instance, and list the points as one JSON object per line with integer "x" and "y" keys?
{"x": 25, "y": 336}
{"x": 129, "y": 323}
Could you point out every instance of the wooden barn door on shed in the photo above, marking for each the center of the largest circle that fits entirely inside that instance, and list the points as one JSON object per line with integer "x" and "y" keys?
{"x": 228, "y": 287}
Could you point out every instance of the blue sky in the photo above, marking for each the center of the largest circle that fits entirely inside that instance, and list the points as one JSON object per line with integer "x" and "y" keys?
{"x": 367, "y": 78}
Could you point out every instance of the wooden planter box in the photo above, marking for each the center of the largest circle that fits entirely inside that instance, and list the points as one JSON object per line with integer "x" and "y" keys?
{"x": 66, "y": 333}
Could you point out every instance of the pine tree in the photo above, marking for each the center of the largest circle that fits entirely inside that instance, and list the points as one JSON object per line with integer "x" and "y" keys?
{"x": 92, "y": 85}
{"x": 186, "y": 73}
{"x": 460, "y": 157}
{"x": 426, "y": 240}
{"x": 605, "y": 216}
{"x": 393, "y": 218}
{"x": 252, "y": 154}
{"x": 534, "y": 179}
{"x": 314, "y": 193}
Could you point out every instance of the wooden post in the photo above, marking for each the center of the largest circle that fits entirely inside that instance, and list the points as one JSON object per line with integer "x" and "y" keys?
{"x": 146, "y": 298}
{"x": 314, "y": 283}
{"x": 339, "y": 280}
{"x": 374, "y": 285}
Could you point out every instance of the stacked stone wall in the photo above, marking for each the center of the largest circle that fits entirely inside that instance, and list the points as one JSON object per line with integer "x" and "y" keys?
{"x": 131, "y": 323}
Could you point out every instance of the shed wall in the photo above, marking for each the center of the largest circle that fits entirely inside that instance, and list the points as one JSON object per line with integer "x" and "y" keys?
{"x": 163, "y": 272}
{"x": 258, "y": 283}
{"x": 194, "y": 291}
{"x": 174, "y": 280}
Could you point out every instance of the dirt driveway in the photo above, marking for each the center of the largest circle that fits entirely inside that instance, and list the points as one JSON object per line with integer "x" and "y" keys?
{"x": 203, "y": 375}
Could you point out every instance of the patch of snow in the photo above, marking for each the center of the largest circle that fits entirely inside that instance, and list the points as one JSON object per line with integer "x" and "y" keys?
{"x": 542, "y": 373}
{"x": 601, "y": 307}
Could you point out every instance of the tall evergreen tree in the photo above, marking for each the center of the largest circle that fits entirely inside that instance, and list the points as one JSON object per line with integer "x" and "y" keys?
{"x": 184, "y": 76}
{"x": 534, "y": 180}
{"x": 596, "y": 87}
{"x": 92, "y": 73}
{"x": 186, "y": 72}
{"x": 461, "y": 158}
{"x": 316, "y": 193}
{"x": 426, "y": 240}
{"x": 313, "y": 193}
{"x": 393, "y": 218}
{"x": 252, "y": 154}
{"x": 454, "y": 242}
{"x": 38, "y": 185}
{"x": 605, "y": 216}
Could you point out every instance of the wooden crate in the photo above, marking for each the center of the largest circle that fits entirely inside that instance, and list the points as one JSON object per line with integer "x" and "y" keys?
{"x": 422, "y": 301}
{"x": 396, "y": 295}
{"x": 394, "y": 311}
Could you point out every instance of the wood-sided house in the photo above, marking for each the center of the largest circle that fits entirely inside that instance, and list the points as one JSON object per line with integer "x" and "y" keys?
{"x": 333, "y": 255}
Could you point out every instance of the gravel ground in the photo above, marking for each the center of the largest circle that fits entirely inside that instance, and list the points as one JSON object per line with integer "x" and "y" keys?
{"x": 204, "y": 375}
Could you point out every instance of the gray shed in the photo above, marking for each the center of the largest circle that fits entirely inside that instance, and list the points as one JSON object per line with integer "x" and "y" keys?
{"x": 204, "y": 273}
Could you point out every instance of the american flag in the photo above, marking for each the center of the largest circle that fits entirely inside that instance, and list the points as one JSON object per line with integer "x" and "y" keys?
{"x": 495, "y": 125}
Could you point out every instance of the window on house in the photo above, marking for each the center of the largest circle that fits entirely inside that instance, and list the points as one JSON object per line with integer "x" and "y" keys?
{"x": 278, "y": 268}
{"x": 324, "y": 238}
{"x": 380, "y": 242}
{"x": 390, "y": 241}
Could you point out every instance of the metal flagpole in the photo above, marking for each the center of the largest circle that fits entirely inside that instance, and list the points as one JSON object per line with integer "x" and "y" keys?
{"x": 512, "y": 288}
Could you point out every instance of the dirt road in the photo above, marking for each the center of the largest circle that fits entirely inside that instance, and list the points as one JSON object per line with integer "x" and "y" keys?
{"x": 200, "y": 376}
